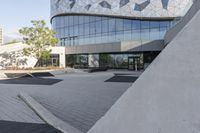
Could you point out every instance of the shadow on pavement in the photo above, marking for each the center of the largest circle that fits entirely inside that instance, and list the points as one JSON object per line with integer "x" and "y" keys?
{"x": 126, "y": 79}
{"x": 34, "y": 74}
{"x": 17, "y": 127}
{"x": 31, "y": 81}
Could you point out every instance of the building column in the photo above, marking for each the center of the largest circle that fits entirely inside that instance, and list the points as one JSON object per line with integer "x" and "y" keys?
{"x": 62, "y": 55}
{"x": 93, "y": 60}
{"x": 62, "y": 60}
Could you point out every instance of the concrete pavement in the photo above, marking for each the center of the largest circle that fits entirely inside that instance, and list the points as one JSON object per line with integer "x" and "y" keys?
{"x": 80, "y": 99}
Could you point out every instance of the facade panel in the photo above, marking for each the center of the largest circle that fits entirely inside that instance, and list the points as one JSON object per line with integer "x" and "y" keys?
{"x": 128, "y": 8}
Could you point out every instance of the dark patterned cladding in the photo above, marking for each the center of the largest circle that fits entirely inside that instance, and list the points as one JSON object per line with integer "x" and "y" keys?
{"x": 165, "y": 3}
{"x": 105, "y": 4}
{"x": 73, "y": 2}
{"x": 142, "y": 6}
{"x": 88, "y": 7}
{"x": 123, "y": 2}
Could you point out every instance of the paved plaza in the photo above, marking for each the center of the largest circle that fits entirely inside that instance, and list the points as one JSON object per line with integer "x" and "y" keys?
{"x": 79, "y": 99}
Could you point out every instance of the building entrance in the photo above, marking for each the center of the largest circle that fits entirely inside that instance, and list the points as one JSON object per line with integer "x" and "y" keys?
{"x": 134, "y": 63}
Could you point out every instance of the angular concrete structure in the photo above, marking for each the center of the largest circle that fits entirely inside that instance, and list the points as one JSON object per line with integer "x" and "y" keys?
{"x": 165, "y": 99}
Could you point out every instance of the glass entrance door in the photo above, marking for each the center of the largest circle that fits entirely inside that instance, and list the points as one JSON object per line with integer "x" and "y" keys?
{"x": 130, "y": 63}
{"x": 134, "y": 63}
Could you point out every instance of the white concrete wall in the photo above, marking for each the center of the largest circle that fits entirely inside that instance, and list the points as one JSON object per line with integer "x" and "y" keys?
{"x": 11, "y": 56}
{"x": 62, "y": 54}
{"x": 166, "y": 98}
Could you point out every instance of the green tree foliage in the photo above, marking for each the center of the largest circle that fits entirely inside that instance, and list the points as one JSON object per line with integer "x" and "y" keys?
{"x": 39, "y": 39}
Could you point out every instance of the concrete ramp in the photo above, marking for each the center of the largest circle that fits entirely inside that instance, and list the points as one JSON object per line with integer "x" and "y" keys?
{"x": 166, "y": 97}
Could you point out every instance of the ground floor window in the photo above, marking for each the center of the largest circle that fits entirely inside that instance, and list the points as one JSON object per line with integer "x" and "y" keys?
{"x": 53, "y": 61}
{"x": 77, "y": 61}
{"x": 131, "y": 60}
{"x": 118, "y": 61}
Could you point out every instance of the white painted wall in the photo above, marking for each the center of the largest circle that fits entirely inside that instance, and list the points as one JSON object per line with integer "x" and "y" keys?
{"x": 11, "y": 56}
{"x": 62, "y": 54}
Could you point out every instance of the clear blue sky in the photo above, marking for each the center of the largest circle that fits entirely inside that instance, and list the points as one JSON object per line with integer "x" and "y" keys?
{"x": 18, "y": 13}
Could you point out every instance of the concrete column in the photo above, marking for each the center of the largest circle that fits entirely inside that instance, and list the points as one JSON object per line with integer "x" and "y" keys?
{"x": 62, "y": 60}
{"x": 62, "y": 54}
{"x": 93, "y": 60}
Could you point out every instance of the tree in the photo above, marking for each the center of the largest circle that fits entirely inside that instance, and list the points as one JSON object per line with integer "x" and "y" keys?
{"x": 39, "y": 39}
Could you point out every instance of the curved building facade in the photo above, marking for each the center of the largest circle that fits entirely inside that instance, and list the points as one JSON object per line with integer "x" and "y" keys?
{"x": 124, "y": 34}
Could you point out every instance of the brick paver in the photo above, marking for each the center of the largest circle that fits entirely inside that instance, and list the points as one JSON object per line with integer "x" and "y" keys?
{"x": 80, "y": 99}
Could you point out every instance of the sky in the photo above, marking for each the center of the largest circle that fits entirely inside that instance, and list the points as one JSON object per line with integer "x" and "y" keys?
{"x": 15, "y": 14}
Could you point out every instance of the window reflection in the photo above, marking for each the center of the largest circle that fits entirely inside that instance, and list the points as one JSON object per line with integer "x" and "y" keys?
{"x": 97, "y": 29}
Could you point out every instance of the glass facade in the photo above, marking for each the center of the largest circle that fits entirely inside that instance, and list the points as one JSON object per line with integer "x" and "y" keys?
{"x": 84, "y": 30}
{"x": 114, "y": 60}
{"x": 77, "y": 61}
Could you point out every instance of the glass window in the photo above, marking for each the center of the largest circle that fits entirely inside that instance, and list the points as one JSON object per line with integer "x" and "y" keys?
{"x": 98, "y": 27}
{"x": 144, "y": 24}
{"x": 66, "y": 31}
{"x": 119, "y": 36}
{"x": 136, "y": 34}
{"x": 92, "y": 28}
{"x": 164, "y": 24}
{"x": 154, "y": 24}
{"x": 58, "y": 22}
{"x": 112, "y": 37}
{"x": 76, "y": 19}
{"x": 92, "y": 39}
{"x": 145, "y": 34}
{"x": 76, "y": 30}
{"x": 81, "y": 29}
{"x": 104, "y": 26}
{"x": 154, "y": 34}
{"x": 104, "y": 38}
{"x": 136, "y": 24}
{"x": 71, "y": 20}
{"x": 98, "y": 38}
{"x": 71, "y": 31}
{"x": 66, "y": 21}
{"x": 98, "y": 18}
{"x": 111, "y": 25}
{"x": 127, "y": 35}
{"x": 162, "y": 32}
{"x": 87, "y": 29}
{"x": 62, "y": 22}
{"x": 81, "y": 40}
{"x": 81, "y": 20}
{"x": 92, "y": 19}
{"x": 127, "y": 24}
{"x": 86, "y": 19}
{"x": 87, "y": 40}
{"x": 54, "y": 22}
{"x": 119, "y": 25}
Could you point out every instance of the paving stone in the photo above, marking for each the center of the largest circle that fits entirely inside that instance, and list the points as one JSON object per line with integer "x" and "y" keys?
{"x": 80, "y": 99}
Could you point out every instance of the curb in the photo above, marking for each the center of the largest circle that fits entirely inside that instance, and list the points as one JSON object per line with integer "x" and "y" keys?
{"x": 47, "y": 116}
